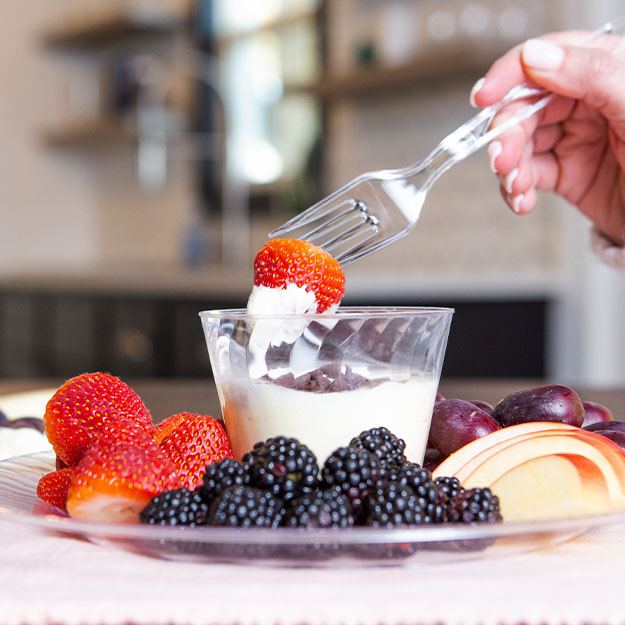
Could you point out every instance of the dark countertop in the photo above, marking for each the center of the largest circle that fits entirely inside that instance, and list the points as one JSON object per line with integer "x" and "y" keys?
{"x": 166, "y": 397}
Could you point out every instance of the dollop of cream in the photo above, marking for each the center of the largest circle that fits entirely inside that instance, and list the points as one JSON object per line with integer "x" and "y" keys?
{"x": 292, "y": 300}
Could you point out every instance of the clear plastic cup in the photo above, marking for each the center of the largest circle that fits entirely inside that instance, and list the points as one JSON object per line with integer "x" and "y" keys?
{"x": 323, "y": 379}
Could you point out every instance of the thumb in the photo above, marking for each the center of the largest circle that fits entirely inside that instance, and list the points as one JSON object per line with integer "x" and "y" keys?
{"x": 593, "y": 75}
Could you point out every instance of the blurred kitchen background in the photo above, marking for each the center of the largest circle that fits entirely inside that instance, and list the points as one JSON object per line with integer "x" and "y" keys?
{"x": 149, "y": 145}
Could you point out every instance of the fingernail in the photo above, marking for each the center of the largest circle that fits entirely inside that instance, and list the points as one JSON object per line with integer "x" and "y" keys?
{"x": 510, "y": 178}
{"x": 494, "y": 150}
{"x": 516, "y": 203}
{"x": 477, "y": 87}
{"x": 541, "y": 54}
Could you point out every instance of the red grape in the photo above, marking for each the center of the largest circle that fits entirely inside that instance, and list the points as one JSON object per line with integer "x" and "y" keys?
{"x": 615, "y": 436}
{"x": 484, "y": 405}
{"x": 552, "y": 402}
{"x": 617, "y": 426}
{"x": 456, "y": 422}
{"x": 595, "y": 413}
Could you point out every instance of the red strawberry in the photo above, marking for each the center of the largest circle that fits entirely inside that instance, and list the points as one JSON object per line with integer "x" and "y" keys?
{"x": 120, "y": 472}
{"x": 83, "y": 405}
{"x": 60, "y": 464}
{"x": 163, "y": 429}
{"x": 291, "y": 261}
{"x": 52, "y": 487}
{"x": 195, "y": 442}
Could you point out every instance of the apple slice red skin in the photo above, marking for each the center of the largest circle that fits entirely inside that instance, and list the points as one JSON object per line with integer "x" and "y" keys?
{"x": 616, "y": 426}
{"x": 596, "y": 413}
{"x": 456, "y": 461}
{"x": 551, "y": 402}
{"x": 612, "y": 454}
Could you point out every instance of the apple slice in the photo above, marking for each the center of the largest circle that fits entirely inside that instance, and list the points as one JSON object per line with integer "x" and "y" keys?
{"x": 476, "y": 461}
{"x": 551, "y": 487}
{"x": 618, "y": 460}
{"x": 550, "y": 444}
{"x": 454, "y": 463}
{"x": 611, "y": 450}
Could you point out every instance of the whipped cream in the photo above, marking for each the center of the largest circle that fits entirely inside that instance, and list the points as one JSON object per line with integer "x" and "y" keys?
{"x": 292, "y": 300}
{"x": 255, "y": 410}
{"x": 20, "y": 441}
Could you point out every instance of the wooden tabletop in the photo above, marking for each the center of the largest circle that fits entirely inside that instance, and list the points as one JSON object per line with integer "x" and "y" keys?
{"x": 166, "y": 397}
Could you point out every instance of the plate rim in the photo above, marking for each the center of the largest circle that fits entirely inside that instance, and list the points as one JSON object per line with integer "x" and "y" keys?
{"x": 290, "y": 536}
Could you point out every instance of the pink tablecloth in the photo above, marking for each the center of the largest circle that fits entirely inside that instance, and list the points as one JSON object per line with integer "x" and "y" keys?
{"x": 48, "y": 579}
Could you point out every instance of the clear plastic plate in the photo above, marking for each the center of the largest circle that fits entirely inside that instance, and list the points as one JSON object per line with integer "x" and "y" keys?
{"x": 421, "y": 546}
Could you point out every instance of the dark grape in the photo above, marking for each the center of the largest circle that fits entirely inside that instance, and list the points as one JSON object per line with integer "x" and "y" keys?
{"x": 432, "y": 459}
{"x": 27, "y": 422}
{"x": 617, "y": 426}
{"x": 483, "y": 405}
{"x": 595, "y": 413}
{"x": 456, "y": 422}
{"x": 552, "y": 402}
{"x": 615, "y": 436}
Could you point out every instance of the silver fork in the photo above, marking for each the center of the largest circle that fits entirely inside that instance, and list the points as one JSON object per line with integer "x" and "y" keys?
{"x": 378, "y": 208}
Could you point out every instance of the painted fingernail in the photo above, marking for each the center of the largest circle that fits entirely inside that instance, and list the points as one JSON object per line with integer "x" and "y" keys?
{"x": 477, "y": 87}
{"x": 509, "y": 180}
{"x": 517, "y": 200}
{"x": 494, "y": 150}
{"x": 541, "y": 54}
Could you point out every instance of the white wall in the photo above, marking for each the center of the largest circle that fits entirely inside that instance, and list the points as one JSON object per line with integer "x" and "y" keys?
{"x": 47, "y": 205}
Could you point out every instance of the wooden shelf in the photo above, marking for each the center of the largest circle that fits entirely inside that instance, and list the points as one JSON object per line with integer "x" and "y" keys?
{"x": 378, "y": 80}
{"x": 111, "y": 27}
{"x": 88, "y": 134}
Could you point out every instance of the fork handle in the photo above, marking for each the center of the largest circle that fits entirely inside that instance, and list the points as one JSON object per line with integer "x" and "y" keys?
{"x": 477, "y": 132}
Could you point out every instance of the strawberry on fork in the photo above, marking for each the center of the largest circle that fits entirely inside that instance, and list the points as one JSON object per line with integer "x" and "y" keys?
{"x": 282, "y": 262}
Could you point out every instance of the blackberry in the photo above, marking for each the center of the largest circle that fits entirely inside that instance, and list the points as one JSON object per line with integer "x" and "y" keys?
{"x": 175, "y": 507}
{"x": 282, "y": 466}
{"x": 243, "y": 506}
{"x": 415, "y": 476}
{"x": 393, "y": 504}
{"x": 388, "y": 448}
{"x": 222, "y": 475}
{"x": 477, "y": 505}
{"x": 449, "y": 487}
{"x": 419, "y": 480}
{"x": 355, "y": 472}
{"x": 321, "y": 508}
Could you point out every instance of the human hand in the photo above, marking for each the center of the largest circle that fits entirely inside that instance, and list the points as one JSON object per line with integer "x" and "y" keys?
{"x": 576, "y": 145}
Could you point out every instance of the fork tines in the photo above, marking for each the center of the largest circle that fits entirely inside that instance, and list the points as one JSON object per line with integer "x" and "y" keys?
{"x": 343, "y": 229}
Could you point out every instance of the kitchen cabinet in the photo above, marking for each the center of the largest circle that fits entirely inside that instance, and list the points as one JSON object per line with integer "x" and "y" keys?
{"x": 55, "y": 334}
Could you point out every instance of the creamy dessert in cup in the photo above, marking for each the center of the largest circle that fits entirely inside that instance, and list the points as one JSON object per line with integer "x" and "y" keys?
{"x": 255, "y": 410}
{"x": 296, "y": 364}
